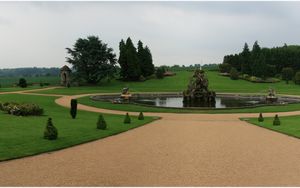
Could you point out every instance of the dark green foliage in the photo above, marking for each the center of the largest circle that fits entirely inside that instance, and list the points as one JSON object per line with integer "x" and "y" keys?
{"x": 260, "y": 118}
{"x": 22, "y": 83}
{"x": 101, "y": 124}
{"x": 141, "y": 116}
{"x": 263, "y": 62}
{"x": 145, "y": 60}
{"x": 234, "y": 74}
{"x": 24, "y": 109}
{"x": 276, "y": 120}
{"x": 160, "y": 73}
{"x": 92, "y": 60}
{"x": 297, "y": 78}
{"x": 287, "y": 74}
{"x": 50, "y": 132}
{"x": 73, "y": 110}
{"x": 225, "y": 67}
{"x": 134, "y": 62}
{"x": 127, "y": 119}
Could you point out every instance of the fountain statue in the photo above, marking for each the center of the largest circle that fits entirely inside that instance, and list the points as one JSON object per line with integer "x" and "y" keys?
{"x": 125, "y": 93}
{"x": 197, "y": 92}
{"x": 271, "y": 97}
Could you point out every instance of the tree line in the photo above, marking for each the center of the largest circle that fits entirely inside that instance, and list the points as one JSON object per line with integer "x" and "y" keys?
{"x": 264, "y": 62}
{"x": 93, "y": 61}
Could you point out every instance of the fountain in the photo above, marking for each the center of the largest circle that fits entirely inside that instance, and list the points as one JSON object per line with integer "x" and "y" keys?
{"x": 271, "y": 97}
{"x": 197, "y": 93}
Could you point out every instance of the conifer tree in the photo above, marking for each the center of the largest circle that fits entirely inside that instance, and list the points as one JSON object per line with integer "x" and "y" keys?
{"x": 50, "y": 132}
{"x": 73, "y": 110}
{"x": 134, "y": 69}
{"x": 141, "y": 116}
{"x": 127, "y": 119}
{"x": 260, "y": 118}
{"x": 101, "y": 124}
{"x": 123, "y": 60}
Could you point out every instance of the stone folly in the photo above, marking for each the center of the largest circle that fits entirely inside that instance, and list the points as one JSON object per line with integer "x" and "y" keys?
{"x": 65, "y": 72}
{"x": 197, "y": 93}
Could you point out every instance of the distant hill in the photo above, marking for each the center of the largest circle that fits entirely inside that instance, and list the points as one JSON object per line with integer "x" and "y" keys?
{"x": 29, "y": 72}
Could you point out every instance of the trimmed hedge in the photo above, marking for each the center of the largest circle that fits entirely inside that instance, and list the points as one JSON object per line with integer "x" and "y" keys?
{"x": 141, "y": 116}
{"x": 127, "y": 119}
{"x": 50, "y": 132}
{"x": 260, "y": 118}
{"x": 23, "y": 109}
{"x": 276, "y": 120}
{"x": 101, "y": 124}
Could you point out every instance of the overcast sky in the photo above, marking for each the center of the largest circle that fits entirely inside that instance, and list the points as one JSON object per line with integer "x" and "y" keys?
{"x": 37, "y": 33}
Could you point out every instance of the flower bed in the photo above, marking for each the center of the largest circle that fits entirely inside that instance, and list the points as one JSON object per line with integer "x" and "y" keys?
{"x": 21, "y": 109}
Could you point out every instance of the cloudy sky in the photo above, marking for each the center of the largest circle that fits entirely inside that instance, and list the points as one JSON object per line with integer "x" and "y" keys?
{"x": 37, "y": 33}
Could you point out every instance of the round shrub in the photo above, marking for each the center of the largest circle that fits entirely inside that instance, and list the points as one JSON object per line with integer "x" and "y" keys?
{"x": 260, "y": 118}
{"x": 50, "y": 132}
{"x": 22, "y": 83}
{"x": 297, "y": 78}
{"x": 234, "y": 74}
{"x": 141, "y": 116}
{"x": 101, "y": 124}
{"x": 276, "y": 120}
{"x": 127, "y": 119}
{"x": 73, "y": 110}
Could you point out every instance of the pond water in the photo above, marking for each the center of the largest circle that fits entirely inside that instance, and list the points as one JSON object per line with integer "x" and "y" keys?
{"x": 221, "y": 102}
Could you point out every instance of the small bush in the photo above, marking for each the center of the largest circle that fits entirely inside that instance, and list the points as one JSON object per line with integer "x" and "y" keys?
{"x": 24, "y": 109}
{"x": 22, "y": 83}
{"x": 73, "y": 110}
{"x": 50, "y": 132}
{"x": 160, "y": 73}
{"x": 297, "y": 78}
{"x": 234, "y": 74}
{"x": 276, "y": 120}
{"x": 260, "y": 118}
{"x": 101, "y": 124}
{"x": 127, "y": 119}
{"x": 141, "y": 116}
{"x": 142, "y": 78}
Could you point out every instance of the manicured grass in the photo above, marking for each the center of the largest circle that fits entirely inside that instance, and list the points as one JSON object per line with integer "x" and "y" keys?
{"x": 23, "y": 136}
{"x": 12, "y": 89}
{"x": 179, "y": 82}
{"x": 10, "y": 81}
{"x": 139, "y": 108}
{"x": 289, "y": 125}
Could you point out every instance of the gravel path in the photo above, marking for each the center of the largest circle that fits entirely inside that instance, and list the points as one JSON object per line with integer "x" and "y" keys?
{"x": 177, "y": 150}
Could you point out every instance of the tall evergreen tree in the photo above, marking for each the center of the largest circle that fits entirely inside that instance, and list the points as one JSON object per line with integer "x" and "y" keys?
{"x": 134, "y": 69}
{"x": 245, "y": 60}
{"x": 260, "y": 68}
{"x": 123, "y": 60}
{"x": 149, "y": 66}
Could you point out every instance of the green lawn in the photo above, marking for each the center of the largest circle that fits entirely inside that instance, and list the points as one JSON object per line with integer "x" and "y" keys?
{"x": 179, "y": 82}
{"x": 23, "y": 136}
{"x": 289, "y": 125}
{"x": 140, "y": 108}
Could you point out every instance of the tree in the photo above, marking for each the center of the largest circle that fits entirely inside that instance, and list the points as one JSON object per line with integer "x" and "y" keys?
{"x": 22, "y": 83}
{"x": 160, "y": 73}
{"x": 234, "y": 74}
{"x": 50, "y": 132}
{"x": 134, "y": 69}
{"x": 73, "y": 110}
{"x": 141, "y": 116}
{"x": 260, "y": 68}
{"x": 123, "y": 60}
{"x": 101, "y": 124}
{"x": 225, "y": 68}
{"x": 245, "y": 60}
{"x": 287, "y": 74}
{"x": 260, "y": 118}
{"x": 145, "y": 60}
{"x": 92, "y": 60}
{"x": 297, "y": 78}
{"x": 127, "y": 119}
{"x": 276, "y": 120}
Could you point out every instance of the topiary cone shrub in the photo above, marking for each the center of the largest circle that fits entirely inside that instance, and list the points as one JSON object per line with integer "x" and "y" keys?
{"x": 127, "y": 119}
{"x": 260, "y": 118}
{"x": 73, "y": 110}
{"x": 101, "y": 124}
{"x": 141, "y": 116}
{"x": 50, "y": 132}
{"x": 276, "y": 120}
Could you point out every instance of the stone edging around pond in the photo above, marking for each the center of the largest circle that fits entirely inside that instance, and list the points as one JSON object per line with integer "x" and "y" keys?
{"x": 108, "y": 97}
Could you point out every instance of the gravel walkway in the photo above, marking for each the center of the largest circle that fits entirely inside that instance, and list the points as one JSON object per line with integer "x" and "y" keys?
{"x": 177, "y": 150}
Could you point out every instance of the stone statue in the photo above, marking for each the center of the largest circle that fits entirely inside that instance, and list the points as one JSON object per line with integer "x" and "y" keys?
{"x": 198, "y": 92}
{"x": 271, "y": 97}
{"x": 125, "y": 93}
